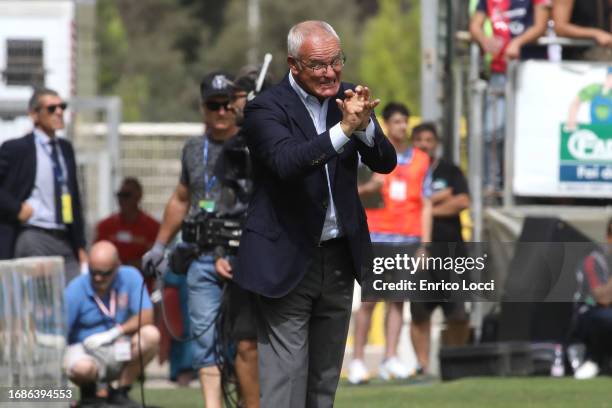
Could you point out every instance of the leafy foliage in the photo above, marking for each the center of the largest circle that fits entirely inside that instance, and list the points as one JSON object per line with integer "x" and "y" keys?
{"x": 154, "y": 53}
{"x": 390, "y": 62}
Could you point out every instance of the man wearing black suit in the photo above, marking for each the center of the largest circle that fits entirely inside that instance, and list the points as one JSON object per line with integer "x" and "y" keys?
{"x": 305, "y": 238}
{"x": 40, "y": 209}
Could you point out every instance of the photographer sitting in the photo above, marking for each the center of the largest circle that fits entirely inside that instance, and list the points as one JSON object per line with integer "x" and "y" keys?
{"x": 198, "y": 191}
{"x": 104, "y": 311}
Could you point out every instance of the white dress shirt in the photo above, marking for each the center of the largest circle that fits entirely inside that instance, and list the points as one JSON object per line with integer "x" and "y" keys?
{"x": 42, "y": 198}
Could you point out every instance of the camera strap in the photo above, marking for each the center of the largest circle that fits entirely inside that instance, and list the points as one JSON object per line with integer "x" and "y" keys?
{"x": 207, "y": 204}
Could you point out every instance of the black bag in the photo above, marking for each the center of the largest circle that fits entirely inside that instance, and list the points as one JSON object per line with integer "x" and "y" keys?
{"x": 182, "y": 256}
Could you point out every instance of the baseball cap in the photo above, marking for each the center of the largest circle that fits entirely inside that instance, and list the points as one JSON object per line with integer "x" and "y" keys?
{"x": 216, "y": 83}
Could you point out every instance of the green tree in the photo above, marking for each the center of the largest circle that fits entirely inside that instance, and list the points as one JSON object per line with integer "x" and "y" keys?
{"x": 142, "y": 62}
{"x": 230, "y": 49}
{"x": 390, "y": 62}
{"x": 112, "y": 45}
{"x": 153, "y": 54}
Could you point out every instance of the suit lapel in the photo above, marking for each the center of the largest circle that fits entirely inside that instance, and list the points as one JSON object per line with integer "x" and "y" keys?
{"x": 31, "y": 158}
{"x": 333, "y": 116}
{"x": 303, "y": 120}
{"x": 299, "y": 113}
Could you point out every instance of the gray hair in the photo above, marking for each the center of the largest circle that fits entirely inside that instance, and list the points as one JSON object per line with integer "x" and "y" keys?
{"x": 299, "y": 32}
{"x": 34, "y": 102}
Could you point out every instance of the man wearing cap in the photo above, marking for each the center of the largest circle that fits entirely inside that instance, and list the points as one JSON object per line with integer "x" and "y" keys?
{"x": 197, "y": 190}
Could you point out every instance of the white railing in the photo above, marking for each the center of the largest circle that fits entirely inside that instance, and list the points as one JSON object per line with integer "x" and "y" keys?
{"x": 32, "y": 322}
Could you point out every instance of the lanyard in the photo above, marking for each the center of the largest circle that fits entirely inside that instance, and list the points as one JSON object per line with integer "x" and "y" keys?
{"x": 209, "y": 182}
{"x": 113, "y": 305}
{"x": 58, "y": 172}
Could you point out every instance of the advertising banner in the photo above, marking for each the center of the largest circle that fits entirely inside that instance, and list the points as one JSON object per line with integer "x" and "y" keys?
{"x": 563, "y": 139}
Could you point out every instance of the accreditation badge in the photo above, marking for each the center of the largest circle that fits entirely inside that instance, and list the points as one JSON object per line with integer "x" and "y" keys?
{"x": 122, "y": 349}
{"x": 67, "y": 208}
{"x": 207, "y": 205}
{"x": 398, "y": 190}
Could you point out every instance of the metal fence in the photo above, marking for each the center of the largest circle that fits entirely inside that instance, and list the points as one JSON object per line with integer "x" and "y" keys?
{"x": 487, "y": 114}
{"x": 151, "y": 152}
{"x": 32, "y": 327}
{"x": 107, "y": 150}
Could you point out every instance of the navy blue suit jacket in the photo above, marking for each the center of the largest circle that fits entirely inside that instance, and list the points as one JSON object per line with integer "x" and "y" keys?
{"x": 17, "y": 177}
{"x": 287, "y": 211}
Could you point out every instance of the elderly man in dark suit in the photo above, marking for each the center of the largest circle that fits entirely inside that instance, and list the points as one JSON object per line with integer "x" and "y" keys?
{"x": 40, "y": 208}
{"x": 305, "y": 238}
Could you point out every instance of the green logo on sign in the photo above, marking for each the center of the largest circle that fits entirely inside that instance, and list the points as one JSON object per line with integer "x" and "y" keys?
{"x": 589, "y": 143}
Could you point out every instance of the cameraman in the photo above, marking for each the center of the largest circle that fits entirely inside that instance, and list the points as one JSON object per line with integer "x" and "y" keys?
{"x": 198, "y": 190}
{"x": 234, "y": 174}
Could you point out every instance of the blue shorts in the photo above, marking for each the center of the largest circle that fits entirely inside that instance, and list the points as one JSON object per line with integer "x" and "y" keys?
{"x": 205, "y": 292}
{"x": 394, "y": 238}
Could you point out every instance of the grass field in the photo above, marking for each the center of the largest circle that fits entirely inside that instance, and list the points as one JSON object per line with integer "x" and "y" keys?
{"x": 469, "y": 393}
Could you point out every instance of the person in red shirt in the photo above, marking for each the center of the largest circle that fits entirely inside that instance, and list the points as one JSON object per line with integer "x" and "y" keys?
{"x": 131, "y": 230}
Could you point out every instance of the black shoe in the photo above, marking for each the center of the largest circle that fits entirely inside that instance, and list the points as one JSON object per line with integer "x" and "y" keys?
{"x": 120, "y": 397}
{"x": 91, "y": 402}
{"x": 89, "y": 398}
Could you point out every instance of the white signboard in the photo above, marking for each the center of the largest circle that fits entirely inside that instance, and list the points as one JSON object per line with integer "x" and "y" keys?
{"x": 52, "y": 23}
{"x": 563, "y": 139}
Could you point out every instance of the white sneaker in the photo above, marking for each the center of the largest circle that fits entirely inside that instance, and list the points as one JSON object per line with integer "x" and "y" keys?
{"x": 587, "y": 370}
{"x": 393, "y": 368}
{"x": 357, "y": 372}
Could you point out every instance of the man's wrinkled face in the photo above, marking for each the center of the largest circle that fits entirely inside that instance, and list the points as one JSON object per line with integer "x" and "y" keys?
{"x": 49, "y": 114}
{"x": 317, "y": 69}
{"x": 426, "y": 141}
{"x": 218, "y": 113}
{"x": 397, "y": 126}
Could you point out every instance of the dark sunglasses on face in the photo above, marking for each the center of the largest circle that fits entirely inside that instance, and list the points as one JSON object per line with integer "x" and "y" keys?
{"x": 52, "y": 108}
{"x": 215, "y": 106}
{"x": 124, "y": 194}
{"x": 104, "y": 274}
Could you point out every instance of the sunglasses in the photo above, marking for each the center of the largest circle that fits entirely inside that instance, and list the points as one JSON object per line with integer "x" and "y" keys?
{"x": 53, "y": 108}
{"x": 215, "y": 106}
{"x": 124, "y": 194}
{"x": 104, "y": 274}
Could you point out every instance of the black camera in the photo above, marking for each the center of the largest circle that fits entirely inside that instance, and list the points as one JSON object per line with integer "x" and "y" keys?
{"x": 206, "y": 231}
{"x": 209, "y": 230}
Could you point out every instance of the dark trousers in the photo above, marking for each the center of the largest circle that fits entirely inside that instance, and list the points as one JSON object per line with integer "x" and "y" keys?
{"x": 302, "y": 335}
{"x": 35, "y": 242}
{"x": 595, "y": 330}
